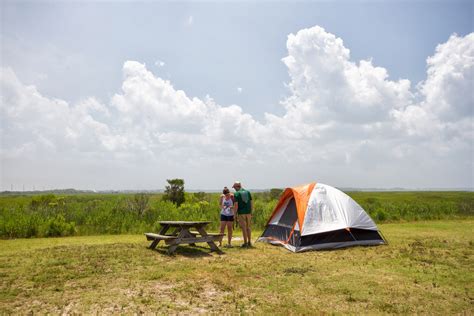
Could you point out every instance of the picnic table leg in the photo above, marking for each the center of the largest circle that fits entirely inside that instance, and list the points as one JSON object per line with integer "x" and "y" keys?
{"x": 190, "y": 235}
{"x": 175, "y": 232}
{"x": 211, "y": 244}
{"x": 154, "y": 244}
{"x": 164, "y": 229}
{"x": 182, "y": 233}
{"x": 172, "y": 249}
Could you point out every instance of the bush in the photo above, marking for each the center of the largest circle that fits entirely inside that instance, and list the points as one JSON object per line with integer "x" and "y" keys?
{"x": 58, "y": 226}
{"x": 139, "y": 203}
{"x": 381, "y": 215}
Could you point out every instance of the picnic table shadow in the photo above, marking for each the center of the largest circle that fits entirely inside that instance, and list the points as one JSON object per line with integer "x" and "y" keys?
{"x": 196, "y": 251}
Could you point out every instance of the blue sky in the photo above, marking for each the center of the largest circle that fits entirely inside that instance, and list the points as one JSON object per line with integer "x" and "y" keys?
{"x": 228, "y": 45}
{"x": 229, "y": 51}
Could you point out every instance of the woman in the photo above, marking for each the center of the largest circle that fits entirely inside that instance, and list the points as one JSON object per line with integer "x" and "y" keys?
{"x": 227, "y": 215}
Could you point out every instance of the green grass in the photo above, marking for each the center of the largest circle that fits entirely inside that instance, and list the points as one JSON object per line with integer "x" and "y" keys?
{"x": 427, "y": 268}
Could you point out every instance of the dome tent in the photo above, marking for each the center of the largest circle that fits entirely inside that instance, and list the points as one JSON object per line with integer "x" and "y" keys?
{"x": 318, "y": 216}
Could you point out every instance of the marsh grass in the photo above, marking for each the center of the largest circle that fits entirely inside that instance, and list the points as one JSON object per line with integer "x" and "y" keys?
{"x": 24, "y": 216}
{"x": 426, "y": 268}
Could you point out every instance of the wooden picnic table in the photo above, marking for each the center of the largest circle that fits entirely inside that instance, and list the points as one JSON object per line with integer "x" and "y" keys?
{"x": 181, "y": 233}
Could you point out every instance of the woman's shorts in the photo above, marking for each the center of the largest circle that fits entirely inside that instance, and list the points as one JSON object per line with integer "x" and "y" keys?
{"x": 225, "y": 218}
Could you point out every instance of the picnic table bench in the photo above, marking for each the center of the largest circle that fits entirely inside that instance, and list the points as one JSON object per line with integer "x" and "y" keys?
{"x": 182, "y": 234}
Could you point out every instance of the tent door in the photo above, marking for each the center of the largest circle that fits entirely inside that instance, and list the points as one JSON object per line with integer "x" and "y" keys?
{"x": 283, "y": 229}
{"x": 289, "y": 216}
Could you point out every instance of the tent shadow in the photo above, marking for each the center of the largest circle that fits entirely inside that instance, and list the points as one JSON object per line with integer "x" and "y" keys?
{"x": 343, "y": 248}
{"x": 323, "y": 250}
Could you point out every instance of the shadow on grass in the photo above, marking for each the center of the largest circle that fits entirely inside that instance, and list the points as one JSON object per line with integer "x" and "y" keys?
{"x": 327, "y": 250}
{"x": 188, "y": 251}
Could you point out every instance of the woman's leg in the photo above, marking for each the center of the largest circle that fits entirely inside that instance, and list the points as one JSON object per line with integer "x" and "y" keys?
{"x": 229, "y": 231}
{"x": 222, "y": 231}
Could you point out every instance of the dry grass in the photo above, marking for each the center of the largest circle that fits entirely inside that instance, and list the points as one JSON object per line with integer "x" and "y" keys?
{"x": 427, "y": 268}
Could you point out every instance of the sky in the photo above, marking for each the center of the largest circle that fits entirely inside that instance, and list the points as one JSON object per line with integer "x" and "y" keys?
{"x": 122, "y": 95}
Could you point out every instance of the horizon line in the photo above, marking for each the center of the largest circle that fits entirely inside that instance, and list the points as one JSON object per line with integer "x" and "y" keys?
{"x": 389, "y": 189}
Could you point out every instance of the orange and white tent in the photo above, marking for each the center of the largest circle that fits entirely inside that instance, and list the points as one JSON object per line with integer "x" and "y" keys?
{"x": 318, "y": 216}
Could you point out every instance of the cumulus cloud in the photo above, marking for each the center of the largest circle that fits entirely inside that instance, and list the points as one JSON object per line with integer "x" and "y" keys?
{"x": 30, "y": 120}
{"x": 446, "y": 109}
{"x": 156, "y": 117}
{"x": 338, "y": 101}
{"x": 327, "y": 85}
{"x": 343, "y": 120}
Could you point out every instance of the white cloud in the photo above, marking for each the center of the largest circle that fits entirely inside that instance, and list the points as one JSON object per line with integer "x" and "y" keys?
{"x": 344, "y": 121}
{"x": 239, "y": 89}
{"x": 326, "y": 85}
{"x": 160, "y": 63}
{"x": 446, "y": 108}
{"x": 30, "y": 118}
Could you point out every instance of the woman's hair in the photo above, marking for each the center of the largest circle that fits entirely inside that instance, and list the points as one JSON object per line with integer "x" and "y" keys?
{"x": 226, "y": 190}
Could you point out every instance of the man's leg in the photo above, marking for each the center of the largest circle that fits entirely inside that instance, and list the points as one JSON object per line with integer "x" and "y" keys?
{"x": 249, "y": 224}
{"x": 229, "y": 232}
{"x": 243, "y": 224}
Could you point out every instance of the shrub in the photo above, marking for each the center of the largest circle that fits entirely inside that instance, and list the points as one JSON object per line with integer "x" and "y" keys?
{"x": 381, "y": 215}
{"x": 58, "y": 226}
{"x": 139, "y": 203}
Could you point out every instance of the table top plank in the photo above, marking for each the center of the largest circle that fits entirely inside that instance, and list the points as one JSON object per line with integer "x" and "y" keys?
{"x": 158, "y": 236}
{"x": 184, "y": 223}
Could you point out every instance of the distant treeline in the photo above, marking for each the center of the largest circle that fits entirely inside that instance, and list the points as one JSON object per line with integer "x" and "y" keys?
{"x": 88, "y": 214}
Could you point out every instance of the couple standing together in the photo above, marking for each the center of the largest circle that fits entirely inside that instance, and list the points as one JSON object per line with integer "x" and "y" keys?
{"x": 238, "y": 205}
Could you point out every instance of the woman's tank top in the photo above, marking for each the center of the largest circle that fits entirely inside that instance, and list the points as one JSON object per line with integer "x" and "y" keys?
{"x": 227, "y": 207}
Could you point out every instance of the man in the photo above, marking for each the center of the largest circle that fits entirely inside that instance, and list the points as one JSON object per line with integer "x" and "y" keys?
{"x": 243, "y": 207}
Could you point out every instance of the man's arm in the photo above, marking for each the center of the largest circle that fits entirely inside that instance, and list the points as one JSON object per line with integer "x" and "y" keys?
{"x": 236, "y": 207}
{"x": 251, "y": 203}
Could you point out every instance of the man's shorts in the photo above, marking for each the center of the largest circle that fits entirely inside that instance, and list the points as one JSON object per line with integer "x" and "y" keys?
{"x": 225, "y": 218}
{"x": 245, "y": 219}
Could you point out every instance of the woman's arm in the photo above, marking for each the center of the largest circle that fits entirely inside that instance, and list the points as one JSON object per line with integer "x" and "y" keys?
{"x": 221, "y": 200}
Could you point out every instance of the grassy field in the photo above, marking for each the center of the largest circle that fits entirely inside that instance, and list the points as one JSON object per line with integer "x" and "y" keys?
{"x": 427, "y": 268}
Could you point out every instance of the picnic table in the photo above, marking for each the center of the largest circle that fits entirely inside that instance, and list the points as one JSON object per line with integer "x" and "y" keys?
{"x": 182, "y": 233}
